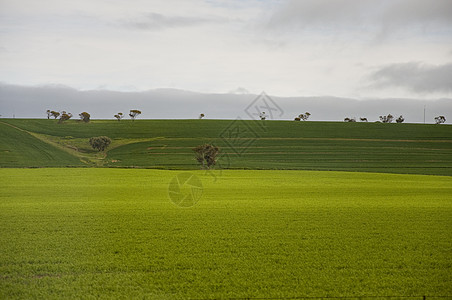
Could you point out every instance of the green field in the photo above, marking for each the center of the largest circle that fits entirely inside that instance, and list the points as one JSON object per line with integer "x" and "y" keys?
{"x": 113, "y": 233}
{"x": 276, "y": 218}
{"x": 167, "y": 144}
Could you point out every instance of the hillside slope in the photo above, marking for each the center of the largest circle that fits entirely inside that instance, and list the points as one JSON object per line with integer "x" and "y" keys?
{"x": 20, "y": 149}
{"x": 369, "y": 147}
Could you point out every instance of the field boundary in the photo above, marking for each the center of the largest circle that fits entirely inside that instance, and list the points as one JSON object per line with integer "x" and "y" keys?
{"x": 425, "y": 297}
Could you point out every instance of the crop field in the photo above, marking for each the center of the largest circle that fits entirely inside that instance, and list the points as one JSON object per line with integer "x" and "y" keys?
{"x": 274, "y": 219}
{"x": 167, "y": 144}
{"x": 114, "y": 233}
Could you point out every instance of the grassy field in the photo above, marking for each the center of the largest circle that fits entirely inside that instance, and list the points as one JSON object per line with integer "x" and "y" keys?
{"x": 20, "y": 149}
{"x": 365, "y": 147}
{"x": 114, "y": 233}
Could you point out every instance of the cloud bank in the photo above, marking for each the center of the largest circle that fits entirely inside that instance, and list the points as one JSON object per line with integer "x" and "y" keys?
{"x": 32, "y": 102}
{"x": 415, "y": 76}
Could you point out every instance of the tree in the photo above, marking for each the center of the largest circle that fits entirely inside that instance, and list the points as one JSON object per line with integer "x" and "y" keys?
{"x": 201, "y": 116}
{"x": 262, "y": 116}
{"x": 206, "y": 155}
{"x": 134, "y": 113}
{"x": 100, "y": 142}
{"x": 349, "y": 120}
{"x": 119, "y": 116}
{"x": 54, "y": 114}
{"x": 304, "y": 116}
{"x": 64, "y": 116}
{"x": 297, "y": 119}
{"x": 386, "y": 119}
{"x": 48, "y": 114}
{"x": 400, "y": 119}
{"x": 440, "y": 119}
{"x": 85, "y": 116}
{"x": 363, "y": 119}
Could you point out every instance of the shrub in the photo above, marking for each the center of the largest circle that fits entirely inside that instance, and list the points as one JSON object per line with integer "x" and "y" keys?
{"x": 100, "y": 142}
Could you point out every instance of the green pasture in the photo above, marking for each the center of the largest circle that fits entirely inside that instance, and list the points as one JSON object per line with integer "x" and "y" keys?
{"x": 20, "y": 149}
{"x": 167, "y": 144}
{"x": 114, "y": 233}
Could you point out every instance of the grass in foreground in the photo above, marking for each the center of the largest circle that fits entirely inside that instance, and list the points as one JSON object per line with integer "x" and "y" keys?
{"x": 70, "y": 233}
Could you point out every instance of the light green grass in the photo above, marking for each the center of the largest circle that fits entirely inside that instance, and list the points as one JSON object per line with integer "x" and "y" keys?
{"x": 112, "y": 233}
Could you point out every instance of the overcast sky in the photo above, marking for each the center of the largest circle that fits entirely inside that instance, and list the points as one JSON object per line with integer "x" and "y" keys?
{"x": 356, "y": 49}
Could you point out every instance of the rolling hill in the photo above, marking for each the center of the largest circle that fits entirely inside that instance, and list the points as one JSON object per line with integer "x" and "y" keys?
{"x": 368, "y": 147}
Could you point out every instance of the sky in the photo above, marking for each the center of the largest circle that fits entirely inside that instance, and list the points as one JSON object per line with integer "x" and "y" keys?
{"x": 346, "y": 48}
{"x": 359, "y": 49}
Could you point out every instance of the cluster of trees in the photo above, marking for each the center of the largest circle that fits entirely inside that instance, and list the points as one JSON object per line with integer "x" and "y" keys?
{"x": 384, "y": 119}
{"x": 132, "y": 114}
{"x": 303, "y": 117}
{"x": 64, "y": 116}
{"x": 86, "y": 117}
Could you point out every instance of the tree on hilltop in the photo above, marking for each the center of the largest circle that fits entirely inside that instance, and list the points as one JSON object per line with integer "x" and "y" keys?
{"x": 304, "y": 116}
{"x": 54, "y": 114}
{"x": 440, "y": 119}
{"x": 386, "y": 119}
{"x": 134, "y": 113}
{"x": 400, "y": 119}
{"x": 64, "y": 116}
{"x": 85, "y": 117}
{"x": 119, "y": 116}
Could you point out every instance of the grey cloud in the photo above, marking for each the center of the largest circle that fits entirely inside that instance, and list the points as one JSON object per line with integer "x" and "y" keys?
{"x": 415, "y": 76}
{"x": 383, "y": 16}
{"x": 32, "y": 102}
{"x": 155, "y": 21}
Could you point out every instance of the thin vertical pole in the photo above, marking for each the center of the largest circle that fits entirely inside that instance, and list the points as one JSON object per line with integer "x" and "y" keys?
{"x": 424, "y": 123}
